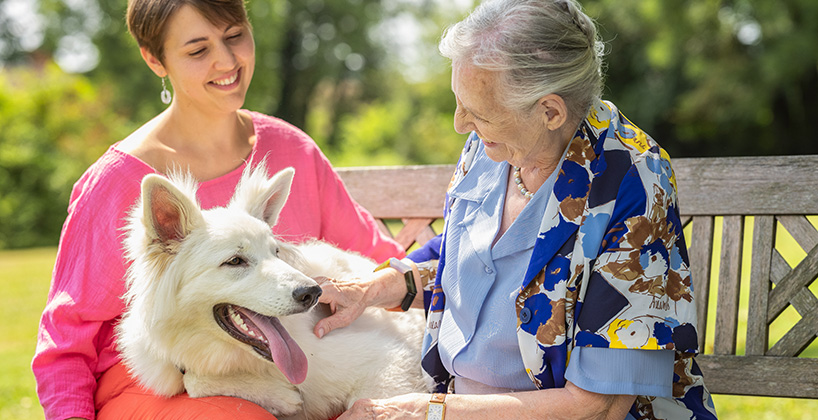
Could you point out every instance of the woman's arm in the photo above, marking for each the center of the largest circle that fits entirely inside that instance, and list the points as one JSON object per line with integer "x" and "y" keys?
{"x": 384, "y": 288}
{"x": 570, "y": 402}
{"x": 349, "y": 298}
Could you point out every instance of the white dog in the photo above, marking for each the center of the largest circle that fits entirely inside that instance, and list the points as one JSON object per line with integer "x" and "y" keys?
{"x": 217, "y": 305}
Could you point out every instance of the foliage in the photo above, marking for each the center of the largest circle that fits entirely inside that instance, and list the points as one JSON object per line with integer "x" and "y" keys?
{"x": 53, "y": 126}
{"x": 707, "y": 78}
{"x": 714, "y": 77}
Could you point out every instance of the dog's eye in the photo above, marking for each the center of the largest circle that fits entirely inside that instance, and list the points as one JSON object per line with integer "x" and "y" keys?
{"x": 277, "y": 251}
{"x": 235, "y": 261}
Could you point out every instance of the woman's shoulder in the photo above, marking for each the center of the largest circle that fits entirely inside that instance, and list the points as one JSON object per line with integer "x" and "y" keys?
{"x": 112, "y": 182}
{"x": 269, "y": 128}
{"x": 276, "y": 137}
{"x": 622, "y": 133}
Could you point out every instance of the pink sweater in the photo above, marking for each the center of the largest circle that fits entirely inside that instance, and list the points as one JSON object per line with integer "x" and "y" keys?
{"x": 76, "y": 344}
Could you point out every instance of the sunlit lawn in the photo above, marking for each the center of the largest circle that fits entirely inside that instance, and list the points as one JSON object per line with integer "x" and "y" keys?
{"x": 25, "y": 278}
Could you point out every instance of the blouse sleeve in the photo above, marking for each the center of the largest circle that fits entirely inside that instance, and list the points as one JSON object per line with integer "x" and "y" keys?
{"x": 622, "y": 372}
{"x": 77, "y": 323}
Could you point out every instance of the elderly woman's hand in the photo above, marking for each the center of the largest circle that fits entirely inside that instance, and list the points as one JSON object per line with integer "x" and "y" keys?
{"x": 346, "y": 302}
{"x": 570, "y": 402}
{"x": 409, "y": 406}
{"x": 348, "y": 298}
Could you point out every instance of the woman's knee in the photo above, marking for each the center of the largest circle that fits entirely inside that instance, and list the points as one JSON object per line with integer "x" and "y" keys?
{"x": 141, "y": 406}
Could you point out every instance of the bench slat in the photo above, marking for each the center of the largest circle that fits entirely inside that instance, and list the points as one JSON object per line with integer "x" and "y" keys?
{"x": 760, "y": 375}
{"x": 762, "y": 253}
{"x": 701, "y": 254}
{"x": 414, "y": 229}
{"x": 801, "y": 276}
{"x": 801, "y": 230}
{"x": 399, "y": 192}
{"x": 798, "y": 337}
{"x": 729, "y": 285}
{"x": 747, "y": 185}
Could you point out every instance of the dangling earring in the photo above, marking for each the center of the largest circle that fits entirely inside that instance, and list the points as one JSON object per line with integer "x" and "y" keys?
{"x": 165, "y": 95}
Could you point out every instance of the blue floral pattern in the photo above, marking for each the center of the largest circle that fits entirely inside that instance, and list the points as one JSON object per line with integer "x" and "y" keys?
{"x": 609, "y": 267}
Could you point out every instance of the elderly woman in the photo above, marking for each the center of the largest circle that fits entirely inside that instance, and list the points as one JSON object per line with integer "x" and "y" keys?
{"x": 562, "y": 289}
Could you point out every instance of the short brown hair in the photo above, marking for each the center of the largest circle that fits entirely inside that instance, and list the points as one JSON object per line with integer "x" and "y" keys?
{"x": 148, "y": 19}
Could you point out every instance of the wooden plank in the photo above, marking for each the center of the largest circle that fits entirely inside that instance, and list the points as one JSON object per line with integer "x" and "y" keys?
{"x": 747, "y": 185}
{"x": 763, "y": 240}
{"x": 798, "y": 337}
{"x": 425, "y": 235}
{"x": 729, "y": 285}
{"x": 383, "y": 228}
{"x": 801, "y": 276}
{"x": 396, "y": 192}
{"x": 778, "y": 270}
{"x": 801, "y": 230}
{"x": 411, "y": 229}
{"x": 701, "y": 253}
{"x": 804, "y": 301}
{"x": 760, "y": 375}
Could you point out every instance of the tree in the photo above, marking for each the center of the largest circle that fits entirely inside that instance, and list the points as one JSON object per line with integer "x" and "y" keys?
{"x": 712, "y": 77}
{"x": 52, "y": 126}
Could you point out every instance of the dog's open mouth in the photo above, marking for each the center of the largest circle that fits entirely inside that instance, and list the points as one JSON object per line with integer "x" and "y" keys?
{"x": 266, "y": 336}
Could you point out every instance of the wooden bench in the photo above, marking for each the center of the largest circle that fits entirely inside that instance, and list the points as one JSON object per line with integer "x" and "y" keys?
{"x": 759, "y": 194}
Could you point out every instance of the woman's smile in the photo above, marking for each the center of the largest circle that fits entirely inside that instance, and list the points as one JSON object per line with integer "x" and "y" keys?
{"x": 229, "y": 81}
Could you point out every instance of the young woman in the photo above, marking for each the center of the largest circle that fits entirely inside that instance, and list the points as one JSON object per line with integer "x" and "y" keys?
{"x": 205, "y": 50}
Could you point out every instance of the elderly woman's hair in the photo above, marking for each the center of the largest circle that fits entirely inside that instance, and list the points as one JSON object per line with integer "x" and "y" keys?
{"x": 539, "y": 47}
{"x": 148, "y": 19}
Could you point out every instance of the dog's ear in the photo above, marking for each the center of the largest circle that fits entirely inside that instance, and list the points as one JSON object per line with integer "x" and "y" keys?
{"x": 278, "y": 189}
{"x": 168, "y": 214}
{"x": 263, "y": 198}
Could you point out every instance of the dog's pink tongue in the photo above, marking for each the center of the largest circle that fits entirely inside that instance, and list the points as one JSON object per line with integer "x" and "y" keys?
{"x": 287, "y": 355}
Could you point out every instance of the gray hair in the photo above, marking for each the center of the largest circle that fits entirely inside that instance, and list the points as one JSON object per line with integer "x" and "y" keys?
{"x": 539, "y": 47}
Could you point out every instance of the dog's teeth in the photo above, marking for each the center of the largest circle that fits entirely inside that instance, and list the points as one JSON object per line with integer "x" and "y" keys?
{"x": 251, "y": 334}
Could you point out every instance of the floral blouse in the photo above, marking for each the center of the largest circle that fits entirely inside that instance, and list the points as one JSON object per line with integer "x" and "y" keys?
{"x": 609, "y": 267}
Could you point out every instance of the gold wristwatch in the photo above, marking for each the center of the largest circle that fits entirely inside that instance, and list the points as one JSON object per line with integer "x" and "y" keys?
{"x": 436, "y": 410}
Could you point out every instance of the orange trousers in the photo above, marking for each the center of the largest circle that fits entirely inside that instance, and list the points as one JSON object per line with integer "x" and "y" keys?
{"x": 119, "y": 397}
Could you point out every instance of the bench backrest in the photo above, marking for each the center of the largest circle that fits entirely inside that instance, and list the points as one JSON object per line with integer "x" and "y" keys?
{"x": 770, "y": 196}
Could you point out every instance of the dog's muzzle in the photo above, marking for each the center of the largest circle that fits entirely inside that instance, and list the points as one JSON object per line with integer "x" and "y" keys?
{"x": 265, "y": 334}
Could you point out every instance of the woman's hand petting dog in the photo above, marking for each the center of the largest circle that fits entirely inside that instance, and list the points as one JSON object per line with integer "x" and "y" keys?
{"x": 349, "y": 297}
{"x": 346, "y": 302}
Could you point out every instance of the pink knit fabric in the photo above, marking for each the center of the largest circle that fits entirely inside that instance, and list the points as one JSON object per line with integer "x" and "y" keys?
{"x": 75, "y": 344}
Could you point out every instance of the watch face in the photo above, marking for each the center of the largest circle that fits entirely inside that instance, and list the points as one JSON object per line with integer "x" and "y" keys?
{"x": 435, "y": 412}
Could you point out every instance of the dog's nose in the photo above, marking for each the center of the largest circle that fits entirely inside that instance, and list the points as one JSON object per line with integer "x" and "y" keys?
{"x": 307, "y": 296}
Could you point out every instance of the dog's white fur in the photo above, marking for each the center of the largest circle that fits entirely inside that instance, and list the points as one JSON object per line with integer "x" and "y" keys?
{"x": 186, "y": 261}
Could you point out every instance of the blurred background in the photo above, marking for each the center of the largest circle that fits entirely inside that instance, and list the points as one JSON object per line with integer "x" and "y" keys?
{"x": 364, "y": 79}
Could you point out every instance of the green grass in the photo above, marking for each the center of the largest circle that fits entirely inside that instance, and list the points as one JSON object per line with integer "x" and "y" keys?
{"x": 25, "y": 277}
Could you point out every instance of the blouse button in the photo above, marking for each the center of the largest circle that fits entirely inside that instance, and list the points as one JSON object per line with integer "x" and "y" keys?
{"x": 525, "y": 315}
{"x": 488, "y": 270}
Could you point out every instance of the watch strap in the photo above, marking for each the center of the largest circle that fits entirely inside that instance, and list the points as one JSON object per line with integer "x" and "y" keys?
{"x": 436, "y": 409}
{"x": 408, "y": 277}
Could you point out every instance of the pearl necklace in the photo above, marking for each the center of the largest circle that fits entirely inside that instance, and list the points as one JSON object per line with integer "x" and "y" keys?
{"x": 519, "y": 181}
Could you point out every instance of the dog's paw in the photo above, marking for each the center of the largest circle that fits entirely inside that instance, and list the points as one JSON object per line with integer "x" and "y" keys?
{"x": 285, "y": 403}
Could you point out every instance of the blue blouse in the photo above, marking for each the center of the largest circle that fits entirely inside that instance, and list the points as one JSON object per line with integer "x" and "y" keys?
{"x": 478, "y": 331}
